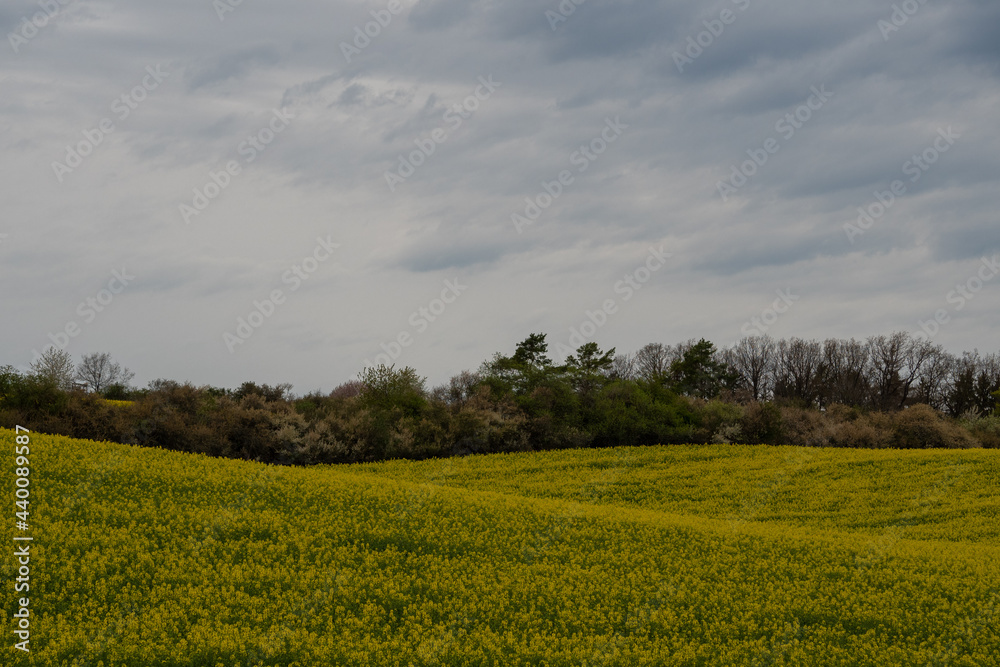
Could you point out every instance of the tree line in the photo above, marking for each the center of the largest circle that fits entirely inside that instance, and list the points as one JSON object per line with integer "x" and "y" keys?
{"x": 886, "y": 391}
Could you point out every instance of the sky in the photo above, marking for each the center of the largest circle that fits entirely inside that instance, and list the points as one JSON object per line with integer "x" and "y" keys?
{"x": 281, "y": 192}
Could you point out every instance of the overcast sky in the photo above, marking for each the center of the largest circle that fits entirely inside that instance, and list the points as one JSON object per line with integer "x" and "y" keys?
{"x": 712, "y": 155}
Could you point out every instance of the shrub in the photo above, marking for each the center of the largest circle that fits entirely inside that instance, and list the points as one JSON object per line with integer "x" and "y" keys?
{"x": 921, "y": 426}
{"x": 806, "y": 427}
{"x": 987, "y": 431}
{"x": 719, "y": 421}
{"x": 32, "y": 395}
{"x": 856, "y": 429}
{"x": 89, "y": 416}
{"x": 117, "y": 392}
{"x": 761, "y": 424}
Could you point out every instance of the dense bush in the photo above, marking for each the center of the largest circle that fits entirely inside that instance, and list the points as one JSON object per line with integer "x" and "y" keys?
{"x": 521, "y": 402}
{"x": 921, "y": 426}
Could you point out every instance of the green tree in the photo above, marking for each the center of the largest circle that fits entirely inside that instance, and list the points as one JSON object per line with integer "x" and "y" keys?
{"x": 385, "y": 388}
{"x": 541, "y": 390}
{"x": 590, "y": 367}
{"x": 531, "y": 353}
{"x": 524, "y": 371}
{"x": 34, "y": 394}
{"x": 698, "y": 372}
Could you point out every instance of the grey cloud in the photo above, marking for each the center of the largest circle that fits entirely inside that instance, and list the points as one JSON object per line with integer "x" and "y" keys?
{"x": 325, "y": 173}
{"x": 230, "y": 66}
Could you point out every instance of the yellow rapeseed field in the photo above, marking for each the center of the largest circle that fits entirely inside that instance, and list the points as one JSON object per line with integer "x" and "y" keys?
{"x": 118, "y": 404}
{"x": 693, "y": 555}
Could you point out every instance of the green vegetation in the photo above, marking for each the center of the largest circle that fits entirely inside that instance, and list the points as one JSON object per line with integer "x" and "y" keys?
{"x": 889, "y": 391}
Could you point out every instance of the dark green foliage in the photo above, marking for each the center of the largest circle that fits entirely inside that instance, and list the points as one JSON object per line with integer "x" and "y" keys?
{"x": 34, "y": 395}
{"x": 589, "y": 368}
{"x": 639, "y": 413}
{"x": 270, "y": 394}
{"x": 530, "y": 353}
{"x": 698, "y": 373}
{"x": 385, "y": 389}
{"x": 687, "y": 393}
{"x": 117, "y": 392}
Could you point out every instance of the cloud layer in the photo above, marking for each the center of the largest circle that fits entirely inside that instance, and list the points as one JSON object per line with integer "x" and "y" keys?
{"x": 469, "y": 141}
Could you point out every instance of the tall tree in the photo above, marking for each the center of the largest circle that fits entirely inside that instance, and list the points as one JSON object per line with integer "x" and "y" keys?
{"x": 753, "y": 358}
{"x": 56, "y": 366}
{"x": 652, "y": 362}
{"x": 590, "y": 367}
{"x": 917, "y": 355}
{"x": 962, "y": 388}
{"x": 532, "y": 351}
{"x": 100, "y": 371}
{"x": 935, "y": 376}
{"x": 698, "y": 373}
{"x": 987, "y": 383}
{"x": 888, "y": 359}
{"x": 798, "y": 367}
{"x": 844, "y": 372}
{"x": 623, "y": 367}
{"x": 523, "y": 371}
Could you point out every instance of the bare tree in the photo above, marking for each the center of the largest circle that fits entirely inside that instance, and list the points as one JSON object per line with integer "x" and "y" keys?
{"x": 460, "y": 388}
{"x": 844, "y": 372}
{"x": 55, "y": 365}
{"x": 935, "y": 376}
{"x": 896, "y": 364}
{"x": 753, "y": 358}
{"x": 798, "y": 370}
{"x": 653, "y": 361}
{"x": 100, "y": 371}
{"x": 888, "y": 359}
{"x": 623, "y": 367}
{"x": 917, "y": 354}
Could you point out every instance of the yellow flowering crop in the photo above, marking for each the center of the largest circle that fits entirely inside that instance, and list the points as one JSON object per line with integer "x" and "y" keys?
{"x": 694, "y": 555}
{"x": 119, "y": 404}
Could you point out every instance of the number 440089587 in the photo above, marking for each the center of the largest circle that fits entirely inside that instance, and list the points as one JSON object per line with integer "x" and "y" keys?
{"x": 22, "y": 471}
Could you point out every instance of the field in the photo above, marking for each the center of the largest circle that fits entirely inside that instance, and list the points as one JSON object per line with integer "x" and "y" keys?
{"x": 693, "y": 555}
